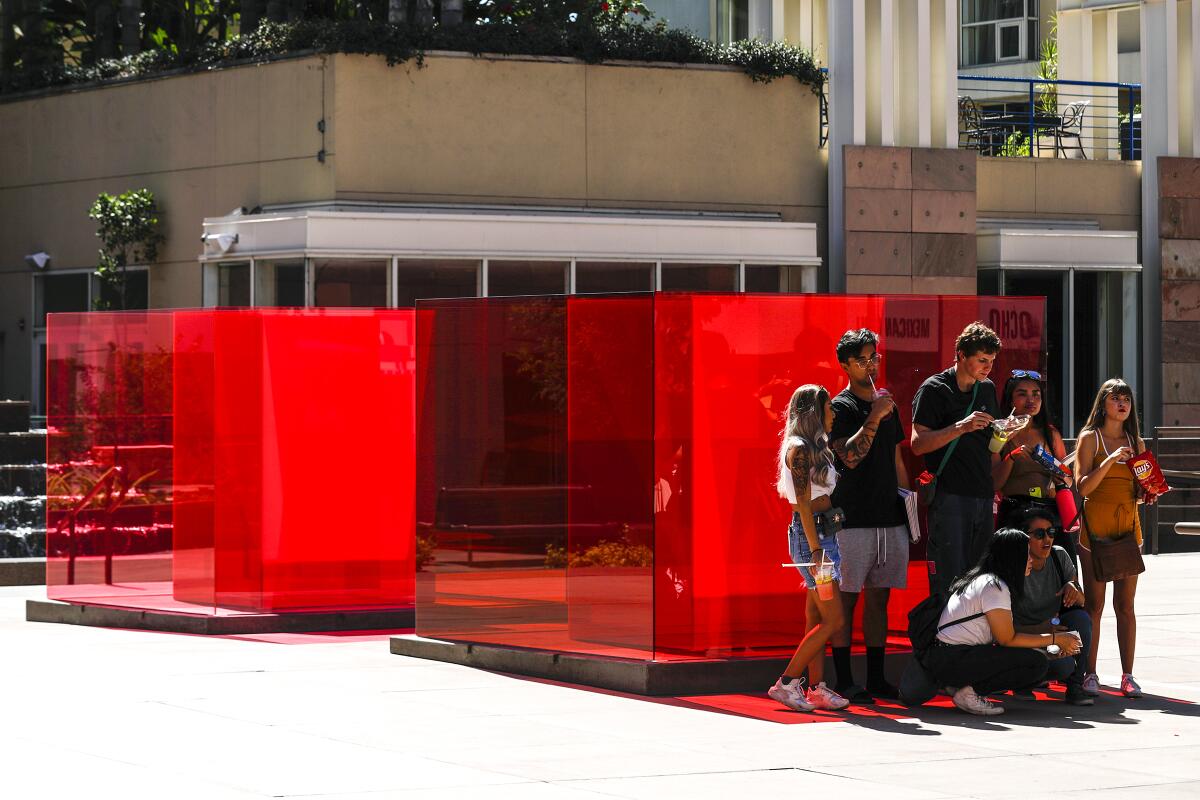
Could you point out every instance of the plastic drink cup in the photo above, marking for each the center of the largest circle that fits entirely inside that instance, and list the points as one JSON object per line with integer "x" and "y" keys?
{"x": 999, "y": 435}
{"x": 824, "y": 579}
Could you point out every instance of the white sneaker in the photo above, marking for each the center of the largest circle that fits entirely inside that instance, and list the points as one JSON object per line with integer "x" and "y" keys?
{"x": 965, "y": 699}
{"x": 1129, "y": 687}
{"x": 821, "y": 696}
{"x": 791, "y": 695}
{"x": 1091, "y": 684}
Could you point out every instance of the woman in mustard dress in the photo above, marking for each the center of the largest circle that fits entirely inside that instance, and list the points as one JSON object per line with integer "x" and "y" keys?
{"x": 1108, "y": 439}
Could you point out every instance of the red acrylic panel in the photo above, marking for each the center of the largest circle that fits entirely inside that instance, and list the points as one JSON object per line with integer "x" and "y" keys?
{"x": 109, "y": 479}
{"x": 596, "y": 474}
{"x": 290, "y": 455}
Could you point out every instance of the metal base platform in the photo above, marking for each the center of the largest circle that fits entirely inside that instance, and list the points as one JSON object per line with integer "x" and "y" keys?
{"x": 307, "y": 622}
{"x": 650, "y": 678}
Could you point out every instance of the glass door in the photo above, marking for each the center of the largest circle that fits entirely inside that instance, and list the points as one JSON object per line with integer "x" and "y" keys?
{"x": 1093, "y": 323}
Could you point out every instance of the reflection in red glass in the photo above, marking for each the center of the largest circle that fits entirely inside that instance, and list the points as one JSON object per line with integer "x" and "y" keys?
{"x": 228, "y": 462}
{"x": 649, "y": 526}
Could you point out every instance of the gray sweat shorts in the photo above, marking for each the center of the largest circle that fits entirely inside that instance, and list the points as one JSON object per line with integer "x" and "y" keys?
{"x": 876, "y": 558}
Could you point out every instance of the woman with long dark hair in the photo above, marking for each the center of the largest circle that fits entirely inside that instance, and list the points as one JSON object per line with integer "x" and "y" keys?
{"x": 1108, "y": 439}
{"x": 977, "y": 651}
{"x": 806, "y": 481}
{"x": 1021, "y": 481}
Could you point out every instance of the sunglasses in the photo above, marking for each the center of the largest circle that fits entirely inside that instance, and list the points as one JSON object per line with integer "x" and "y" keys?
{"x": 1027, "y": 373}
{"x": 1043, "y": 533}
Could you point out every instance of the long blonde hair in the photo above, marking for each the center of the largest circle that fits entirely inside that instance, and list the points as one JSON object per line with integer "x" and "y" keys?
{"x": 1095, "y": 420}
{"x": 805, "y": 429}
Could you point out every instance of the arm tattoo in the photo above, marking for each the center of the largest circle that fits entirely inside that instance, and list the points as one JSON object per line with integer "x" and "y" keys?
{"x": 800, "y": 467}
{"x": 853, "y": 450}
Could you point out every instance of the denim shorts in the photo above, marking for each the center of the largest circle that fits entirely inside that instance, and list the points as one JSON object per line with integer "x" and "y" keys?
{"x": 798, "y": 548}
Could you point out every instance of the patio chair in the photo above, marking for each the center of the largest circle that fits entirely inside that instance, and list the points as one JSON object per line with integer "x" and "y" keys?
{"x": 970, "y": 126}
{"x": 1069, "y": 127}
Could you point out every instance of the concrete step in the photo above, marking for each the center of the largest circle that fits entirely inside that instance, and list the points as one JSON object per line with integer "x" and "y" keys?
{"x": 24, "y": 479}
{"x": 22, "y": 543}
{"x": 20, "y": 511}
{"x": 23, "y": 448}
{"x": 22, "y": 571}
{"x": 14, "y": 415}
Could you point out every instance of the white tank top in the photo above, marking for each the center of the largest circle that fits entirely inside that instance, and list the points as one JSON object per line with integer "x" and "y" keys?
{"x": 787, "y": 488}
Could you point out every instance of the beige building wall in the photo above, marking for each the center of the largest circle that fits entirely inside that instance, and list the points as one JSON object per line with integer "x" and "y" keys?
{"x": 547, "y": 132}
{"x": 1066, "y": 189}
{"x": 559, "y": 132}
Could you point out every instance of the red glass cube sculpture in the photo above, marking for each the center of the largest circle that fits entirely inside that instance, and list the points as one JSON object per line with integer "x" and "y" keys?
{"x": 596, "y": 474}
{"x": 231, "y": 461}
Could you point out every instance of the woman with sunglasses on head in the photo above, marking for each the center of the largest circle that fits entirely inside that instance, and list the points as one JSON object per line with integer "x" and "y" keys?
{"x": 1108, "y": 439}
{"x": 978, "y": 650}
{"x": 1021, "y": 481}
{"x": 1052, "y": 601}
{"x": 806, "y": 480}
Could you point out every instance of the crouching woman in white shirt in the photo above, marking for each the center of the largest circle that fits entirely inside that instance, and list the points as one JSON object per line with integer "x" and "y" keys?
{"x": 977, "y": 652}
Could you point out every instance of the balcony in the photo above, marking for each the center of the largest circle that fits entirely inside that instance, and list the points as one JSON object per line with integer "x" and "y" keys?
{"x": 1027, "y": 118}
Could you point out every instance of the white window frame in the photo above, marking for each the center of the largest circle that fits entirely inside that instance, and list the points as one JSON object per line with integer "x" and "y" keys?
{"x": 1022, "y": 26}
{"x": 1028, "y": 49}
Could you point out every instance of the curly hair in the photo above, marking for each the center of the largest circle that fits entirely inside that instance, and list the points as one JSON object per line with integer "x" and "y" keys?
{"x": 977, "y": 338}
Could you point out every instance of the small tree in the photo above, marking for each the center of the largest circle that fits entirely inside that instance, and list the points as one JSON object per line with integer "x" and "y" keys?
{"x": 128, "y": 229}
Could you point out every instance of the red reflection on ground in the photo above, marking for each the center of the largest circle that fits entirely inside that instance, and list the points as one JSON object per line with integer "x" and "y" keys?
{"x": 595, "y": 474}
{"x": 263, "y": 459}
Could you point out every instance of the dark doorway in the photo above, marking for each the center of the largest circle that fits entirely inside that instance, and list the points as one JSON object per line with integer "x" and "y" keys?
{"x": 1050, "y": 285}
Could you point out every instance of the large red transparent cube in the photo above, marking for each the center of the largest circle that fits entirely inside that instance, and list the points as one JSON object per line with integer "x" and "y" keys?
{"x": 596, "y": 474}
{"x": 231, "y": 461}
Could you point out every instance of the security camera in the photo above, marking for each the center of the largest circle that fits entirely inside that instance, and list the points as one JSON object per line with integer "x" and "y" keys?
{"x": 220, "y": 242}
{"x": 38, "y": 260}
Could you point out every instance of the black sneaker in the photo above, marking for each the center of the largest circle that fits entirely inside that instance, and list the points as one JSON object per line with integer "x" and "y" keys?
{"x": 1076, "y": 696}
{"x": 856, "y": 694}
{"x": 884, "y": 691}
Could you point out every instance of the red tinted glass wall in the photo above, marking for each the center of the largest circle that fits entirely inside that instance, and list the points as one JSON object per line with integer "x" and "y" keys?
{"x": 658, "y": 532}
{"x": 109, "y": 479}
{"x": 288, "y": 456}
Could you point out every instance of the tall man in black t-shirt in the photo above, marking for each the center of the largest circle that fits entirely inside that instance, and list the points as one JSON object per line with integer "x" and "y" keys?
{"x": 873, "y": 543}
{"x": 948, "y": 408}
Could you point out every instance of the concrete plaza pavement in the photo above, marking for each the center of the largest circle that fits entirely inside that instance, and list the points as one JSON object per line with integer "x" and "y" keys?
{"x": 95, "y": 713}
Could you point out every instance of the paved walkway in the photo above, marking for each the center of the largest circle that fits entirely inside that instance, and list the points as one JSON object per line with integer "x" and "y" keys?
{"x": 100, "y": 713}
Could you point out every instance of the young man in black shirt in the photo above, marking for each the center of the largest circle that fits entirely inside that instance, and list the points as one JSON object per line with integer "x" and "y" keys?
{"x": 873, "y": 543}
{"x": 950, "y": 407}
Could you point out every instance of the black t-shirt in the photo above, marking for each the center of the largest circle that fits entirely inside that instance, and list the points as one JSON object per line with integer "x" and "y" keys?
{"x": 939, "y": 404}
{"x": 867, "y": 493}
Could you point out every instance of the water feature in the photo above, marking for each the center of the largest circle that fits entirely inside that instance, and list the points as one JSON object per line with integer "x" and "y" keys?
{"x": 22, "y": 484}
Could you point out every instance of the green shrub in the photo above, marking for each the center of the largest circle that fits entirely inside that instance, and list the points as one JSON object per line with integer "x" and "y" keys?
{"x": 761, "y": 61}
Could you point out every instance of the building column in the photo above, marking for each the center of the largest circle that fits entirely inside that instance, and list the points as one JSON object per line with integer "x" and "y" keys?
{"x": 887, "y": 73}
{"x": 924, "y": 76}
{"x": 847, "y": 118}
{"x": 1155, "y": 101}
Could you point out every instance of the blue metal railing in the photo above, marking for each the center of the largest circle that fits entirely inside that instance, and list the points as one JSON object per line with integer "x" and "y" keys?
{"x": 1017, "y": 117}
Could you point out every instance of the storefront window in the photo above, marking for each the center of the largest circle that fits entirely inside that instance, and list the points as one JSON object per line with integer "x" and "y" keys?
{"x": 233, "y": 284}
{"x": 347, "y": 282}
{"x": 782, "y": 279}
{"x": 699, "y": 277}
{"x": 599, "y": 277}
{"x": 279, "y": 283}
{"x": 426, "y": 278}
{"x": 510, "y": 278}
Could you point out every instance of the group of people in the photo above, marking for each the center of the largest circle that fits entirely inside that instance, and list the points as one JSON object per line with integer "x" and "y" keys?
{"x": 1022, "y": 604}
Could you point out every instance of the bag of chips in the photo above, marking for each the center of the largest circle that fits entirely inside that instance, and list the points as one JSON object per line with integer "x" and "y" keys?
{"x": 1148, "y": 474}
